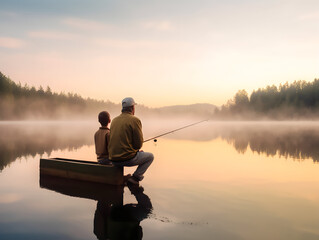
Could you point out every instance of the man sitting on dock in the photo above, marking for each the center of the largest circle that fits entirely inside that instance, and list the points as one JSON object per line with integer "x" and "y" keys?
{"x": 102, "y": 138}
{"x": 126, "y": 140}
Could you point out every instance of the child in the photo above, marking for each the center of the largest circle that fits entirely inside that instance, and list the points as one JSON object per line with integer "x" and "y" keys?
{"x": 101, "y": 139}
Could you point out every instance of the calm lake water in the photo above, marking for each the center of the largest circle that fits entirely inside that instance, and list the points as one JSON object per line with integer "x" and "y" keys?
{"x": 211, "y": 181}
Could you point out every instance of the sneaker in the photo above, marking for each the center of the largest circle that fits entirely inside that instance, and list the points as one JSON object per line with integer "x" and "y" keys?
{"x": 133, "y": 180}
{"x": 126, "y": 177}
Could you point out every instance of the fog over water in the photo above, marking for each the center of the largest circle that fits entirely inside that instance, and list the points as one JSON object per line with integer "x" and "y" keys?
{"x": 298, "y": 140}
{"x": 22, "y": 139}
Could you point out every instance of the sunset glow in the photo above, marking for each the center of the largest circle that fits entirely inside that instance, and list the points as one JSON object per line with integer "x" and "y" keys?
{"x": 160, "y": 52}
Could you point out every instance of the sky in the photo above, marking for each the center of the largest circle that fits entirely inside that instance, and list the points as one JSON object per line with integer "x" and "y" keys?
{"x": 159, "y": 52}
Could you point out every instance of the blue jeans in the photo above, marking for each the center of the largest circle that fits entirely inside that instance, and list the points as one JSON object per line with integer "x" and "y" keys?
{"x": 142, "y": 159}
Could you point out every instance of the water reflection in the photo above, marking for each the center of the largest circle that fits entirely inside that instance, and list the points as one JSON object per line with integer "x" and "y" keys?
{"x": 112, "y": 218}
{"x": 287, "y": 139}
{"x": 28, "y": 139}
{"x": 200, "y": 187}
{"x": 298, "y": 142}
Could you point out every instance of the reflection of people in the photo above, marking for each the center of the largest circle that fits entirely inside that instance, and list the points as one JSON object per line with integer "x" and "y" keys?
{"x": 112, "y": 221}
{"x": 102, "y": 137}
{"x": 126, "y": 140}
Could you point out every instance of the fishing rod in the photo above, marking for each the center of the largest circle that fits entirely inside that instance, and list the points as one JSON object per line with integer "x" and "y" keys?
{"x": 175, "y": 130}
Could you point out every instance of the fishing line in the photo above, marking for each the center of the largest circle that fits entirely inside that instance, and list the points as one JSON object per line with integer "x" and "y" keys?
{"x": 175, "y": 130}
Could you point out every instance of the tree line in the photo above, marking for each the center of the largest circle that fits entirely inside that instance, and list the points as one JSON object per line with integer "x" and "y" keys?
{"x": 299, "y": 99}
{"x": 25, "y": 102}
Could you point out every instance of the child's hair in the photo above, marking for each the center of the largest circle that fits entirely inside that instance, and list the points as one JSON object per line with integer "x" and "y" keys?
{"x": 104, "y": 118}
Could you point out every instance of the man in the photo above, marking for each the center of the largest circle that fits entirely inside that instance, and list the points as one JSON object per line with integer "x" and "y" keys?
{"x": 126, "y": 140}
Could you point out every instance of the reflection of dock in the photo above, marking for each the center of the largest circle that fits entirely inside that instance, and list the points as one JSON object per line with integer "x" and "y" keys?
{"x": 82, "y": 170}
{"x": 112, "y": 219}
{"x": 82, "y": 189}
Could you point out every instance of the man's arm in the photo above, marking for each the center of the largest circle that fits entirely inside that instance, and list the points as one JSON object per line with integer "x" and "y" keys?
{"x": 137, "y": 134}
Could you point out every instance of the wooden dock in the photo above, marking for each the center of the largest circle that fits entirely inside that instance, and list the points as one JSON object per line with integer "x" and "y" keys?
{"x": 82, "y": 170}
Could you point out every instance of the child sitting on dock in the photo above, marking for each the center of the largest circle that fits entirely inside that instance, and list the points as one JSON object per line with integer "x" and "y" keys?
{"x": 101, "y": 139}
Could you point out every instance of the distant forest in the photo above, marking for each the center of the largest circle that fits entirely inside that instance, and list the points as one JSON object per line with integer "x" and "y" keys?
{"x": 298, "y": 100}
{"x": 19, "y": 102}
{"x": 25, "y": 102}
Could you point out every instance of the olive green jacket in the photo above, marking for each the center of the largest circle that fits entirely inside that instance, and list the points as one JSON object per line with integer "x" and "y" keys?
{"x": 126, "y": 137}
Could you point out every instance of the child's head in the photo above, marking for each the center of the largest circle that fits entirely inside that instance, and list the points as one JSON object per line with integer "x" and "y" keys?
{"x": 104, "y": 118}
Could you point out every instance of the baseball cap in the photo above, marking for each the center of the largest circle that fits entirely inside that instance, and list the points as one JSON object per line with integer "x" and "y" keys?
{"x": 128, "y": 102}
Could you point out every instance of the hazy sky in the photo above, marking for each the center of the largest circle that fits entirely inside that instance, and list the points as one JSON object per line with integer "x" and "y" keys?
{"x": 159, "y": 52}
